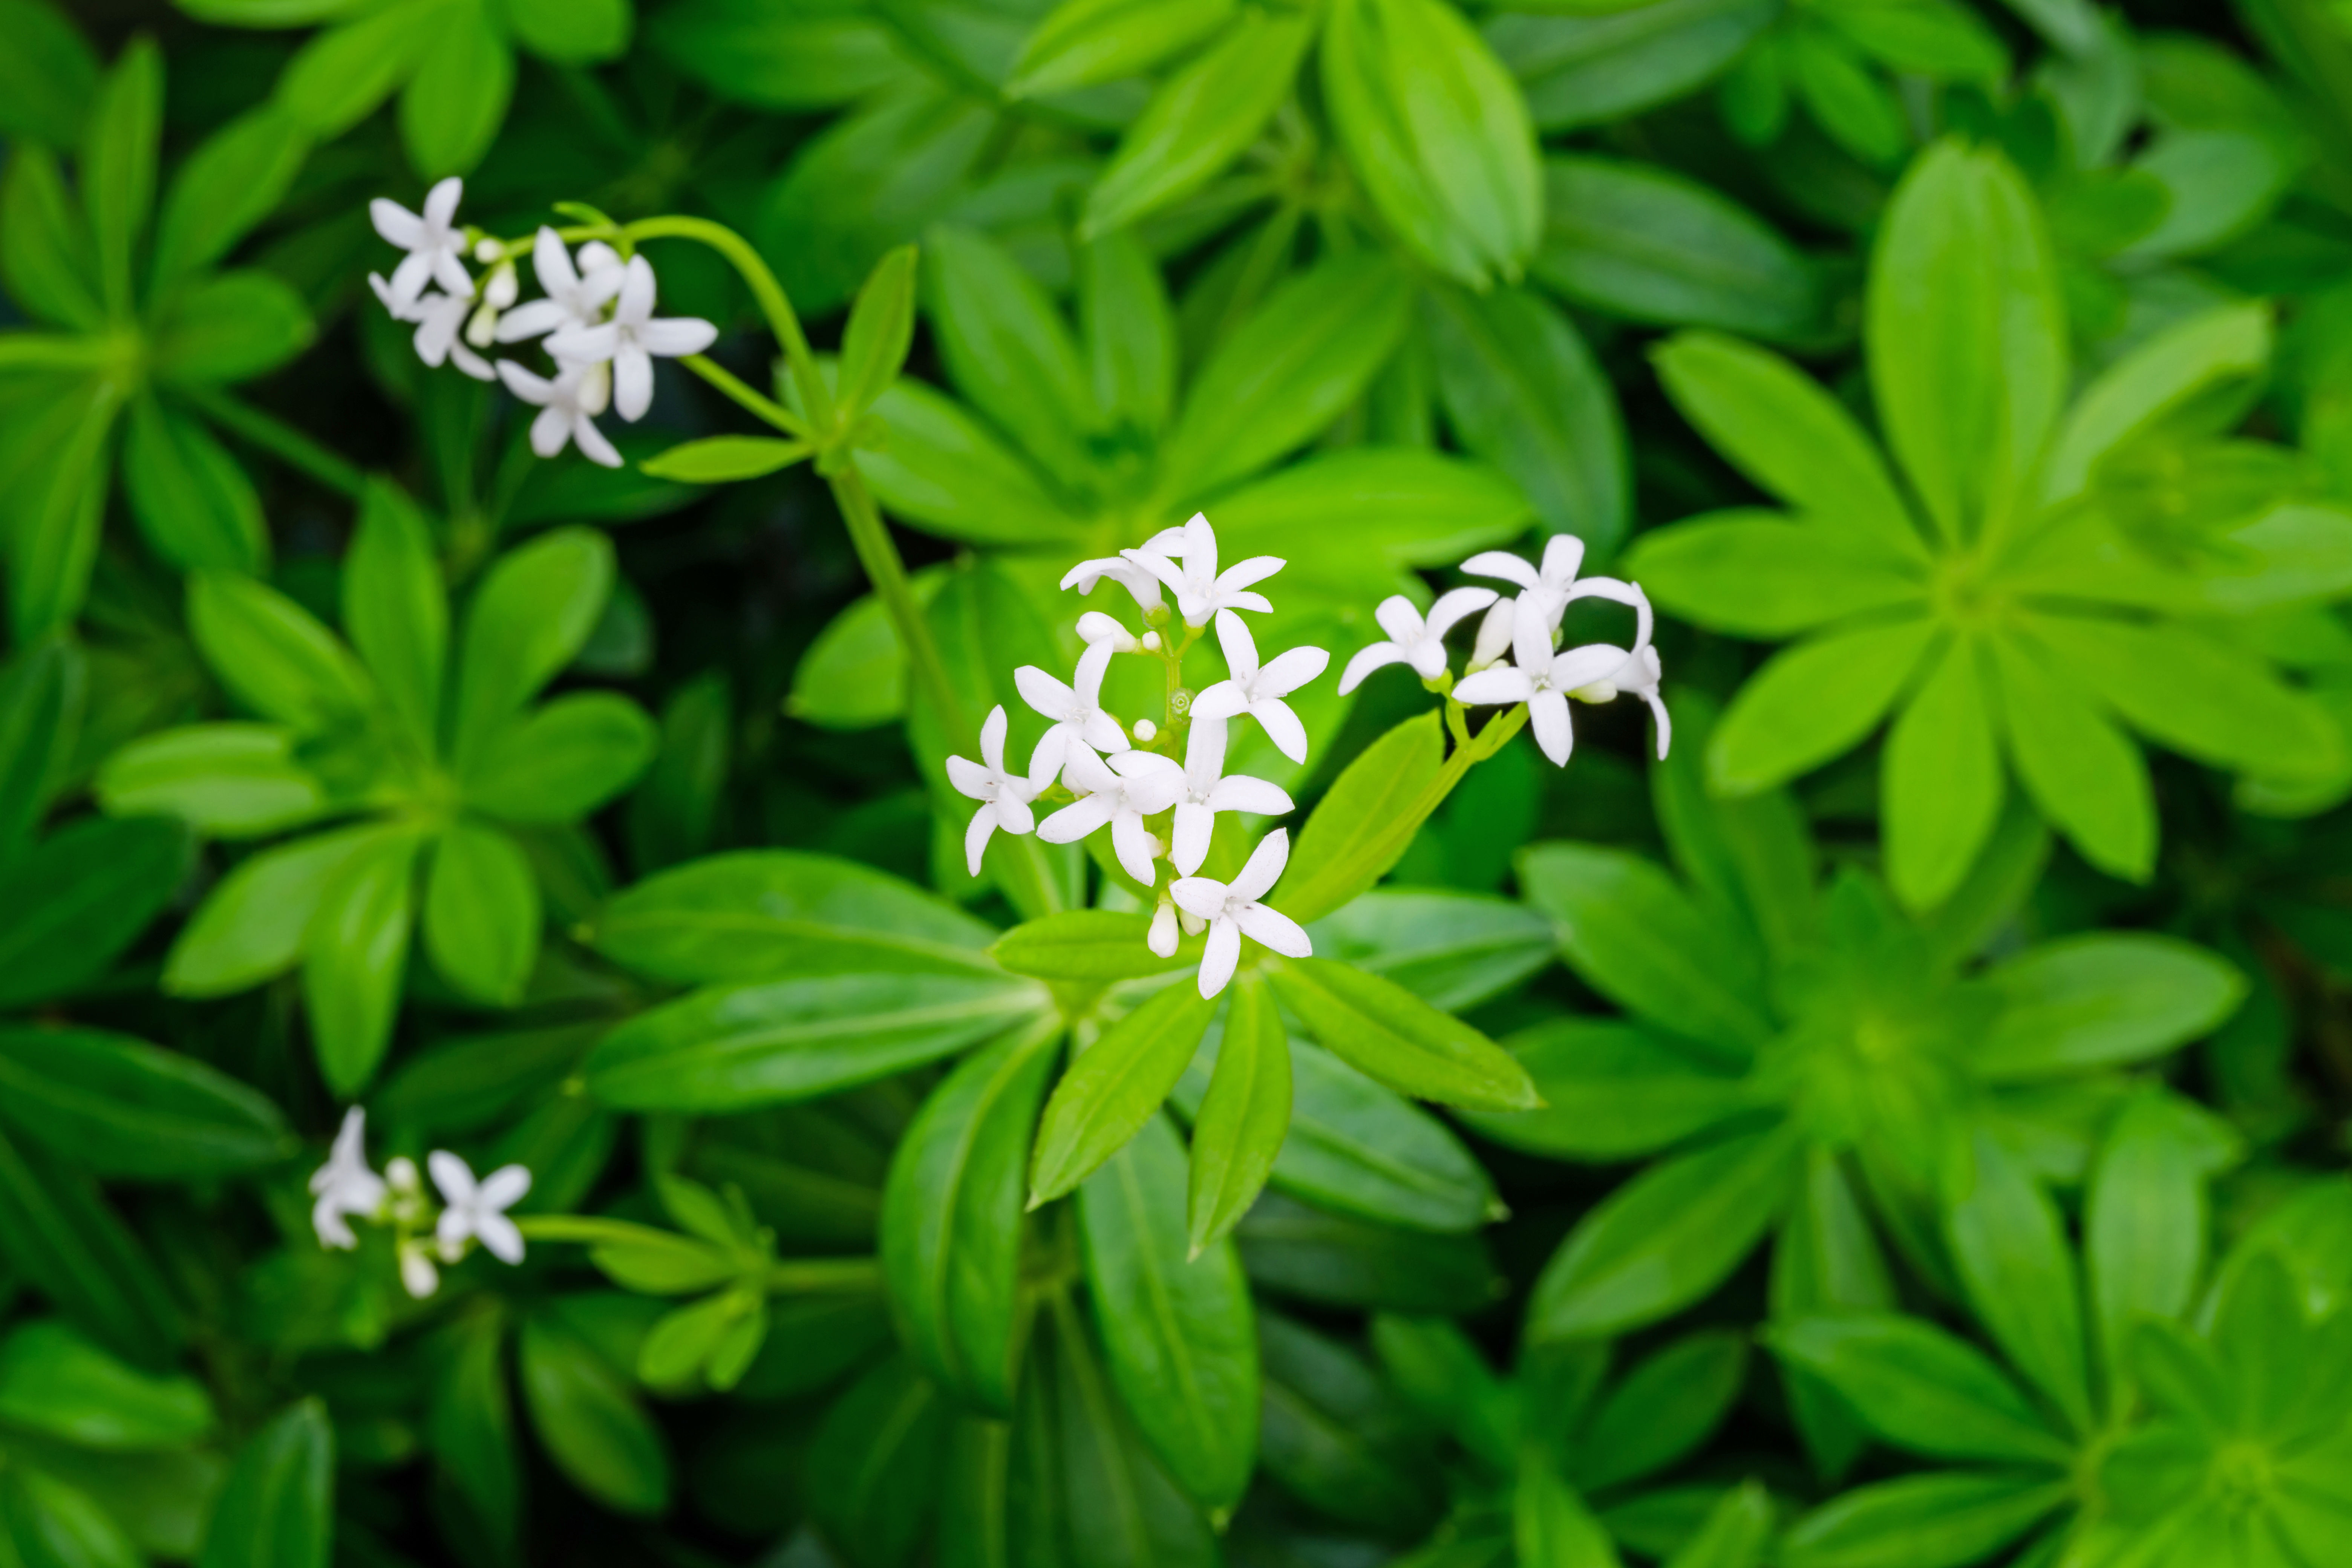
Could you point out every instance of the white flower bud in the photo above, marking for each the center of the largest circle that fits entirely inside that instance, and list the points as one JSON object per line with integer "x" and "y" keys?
{"x": 1162, "y": 938}
{"x": 1146, "y": 731}
{"x": 416, "y": 1272}
{"x": 1494, "y": 638}
{"x": 1150, "y": 643}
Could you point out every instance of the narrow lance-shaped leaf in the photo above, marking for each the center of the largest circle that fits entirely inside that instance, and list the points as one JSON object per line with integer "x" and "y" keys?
{"x": 1385, "y": 1031}
{"x": 1243, "y": 1119}
{"x": 1114, "y": 1086}
{"x": 278, "y": 1507}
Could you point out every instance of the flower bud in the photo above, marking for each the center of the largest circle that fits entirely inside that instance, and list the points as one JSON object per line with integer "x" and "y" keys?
{"x": 1162, "y": 937}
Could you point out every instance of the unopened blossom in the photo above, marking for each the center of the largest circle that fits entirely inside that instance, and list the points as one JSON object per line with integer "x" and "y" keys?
{"x": 1078, "y": 719}
{"x": 1234, "y": 911}
{"x": 439, "y": 320}
{"x": 568, "y": 406}
{"x": 1554, "y": 585}
{"x": 1093, "y": 627}
{"x": 1257, "y": 690}
{"x": 436, "y": 247}
{"x": 476, "y": 1210}
{"x": 1119, "y": 791}
{"x": 1412, "y": 640}
{"x": 1118, "y": 569}
{"x": 1003, "y": 797}
{"x": 1200, "y": 590}
{"x": 345, "y": 1185}
{"x": 1541, "y": 679}
{"x": 631, "y": 340}
{"x": 500, "y": 290}
{"x": 576, "y": 296}
{"x": 1207, "y": 791}
{"x": 1494, "y": 640}
{"x": 1162, "y": 937}
{"x": 418, "y": 1275}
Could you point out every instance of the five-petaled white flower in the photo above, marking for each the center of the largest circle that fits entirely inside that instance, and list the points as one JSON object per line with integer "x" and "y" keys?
{"x": 568, "y": 406}
{"x": 439, "y": 319}
{"x": 1233, "y": 912}
{"x": 1638, "y": 676}
{"x": 1200, "y": 588}
{"x": 1257, "y": 690}
{"x": 1135, "y": 579}
{"x": 1003, "y": 797}
{"x": 631, "y": 338}
{"x": 1555, "y": 584}
{"x": 1541, "y": 679}
{"x": 1078, "y": 719}
{"x": 436, "y": 249}
{"x": 1206, "y": 794}
{"x": 1122, "y": 792}
{"x": 345, "y": 1185}
{"x": 1414, "y": 641}
{"x": 576, "y": 297}
{"x": 476, "y": 1210}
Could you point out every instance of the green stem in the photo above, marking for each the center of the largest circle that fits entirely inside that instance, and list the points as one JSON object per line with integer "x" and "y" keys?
{"x": 765, "y": 409}
{"x": 280, "y": 440}
{"x": 825, "y": 1276}
{"x": 782, "y": 320}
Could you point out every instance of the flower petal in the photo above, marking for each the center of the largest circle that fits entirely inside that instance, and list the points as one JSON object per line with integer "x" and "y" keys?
{"x": 1272, "y": 929}
{"x": 549, "y": 431}
{"x": 1135, "y": 846}
{"x": 1077, "y": 819}
{"x": 396, "y": 224}
{"x": 1043, "y": 693}
{"x": 1501, "y": 563}
{"x": 1282, "y": 727}
{"x": 675, "y": 337}
{"x": 1398, "y": 618}
{"x": 1263, "y": 867}
{"x": 1290, "y": 669}
{"x": 1189, "y": 836}
{"x": 441, "y": 203}
{"x": 1240, "y": 792}
{"x": 1239, "y": 647}
{"x": 1547, "y": 717}
{"x": 1222, "y": 700}
{"x": 591, "y": 442}
{"x": 1199, "y": 897}
{"x": 551, "y": 259}
{"x": 637, "y": 306}
{"x": 499, "y": 1236}
{"x": 1563, "y": 553}
{"x": 1220, "y": 957}
{"x": 1503, "y": 683}
{"x": 633, "y": 382}
{"x": 975, "y": 837}
{"x": 1454, "y": 606}
{"x": 535, "y": 319}
{"x": 1367, "y": 659}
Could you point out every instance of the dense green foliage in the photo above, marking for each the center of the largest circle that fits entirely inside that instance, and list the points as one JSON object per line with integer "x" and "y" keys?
{"x": 1900, "y": 1125}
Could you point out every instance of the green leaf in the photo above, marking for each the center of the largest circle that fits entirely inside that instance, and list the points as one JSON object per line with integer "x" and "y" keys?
{"x": 1082, "y": 42}
{"x": 1176, "y": 1323}
{"x": 274, "y": 657}
{"x": 56, "y": 538}
{"x": 1337, "y": 515}
{"x": 121, "y": 1108}
{"x": 951, "y": 1224}
{"x": 731, "y": 1047}
{"x": 1813, "y": 702}
{"x": 1365, "y": 820}
{"x": 481, "y": 913}
{"x": 1844, "y": 97}
{"x": 1639, "y": 939}
{"x": 49, "y": 74}
{"x": 227, "y": 781}
{"x": 1967, "y": 336}
{"x": 102, "y": 882}
{"x": 1442, "y": 1373}
{"x": 588, "y": 1417}
{"x": 230, "y": 328}
{"x": 397, "y": 611}
{"x": 753, "y": 53}
{"x": 881, "y": 328}
{"x": 1921, "y": 1389}
{"x": 355, "y": 954}
{"x": 52, "y": 1523}
{"x": 235, "y": 179}
{"x": 756, "y": 913}
{"x": 192, "y": 503}
{"x": 1113, "y": 1085}
{"x": 1007, "y": 349}
{"x": 946, "y": 473}
{"x": 453, "y": 106}
{"x": 1737, "y": 1532}
{"x": 676, "y": 814}
{"x": 469, "y": 1429}
{"x": 58, "y": 1236}
{"x": 2146, "y": 1216}
{"x": 1085, "y": 946}
{"x": 1610, "y": 1091}
{"x": 45, "y": 245}
{"x": 530, "y": 617}
{"x": 2101, "y": 999}
{"x": 1301, "y": 358}
{"x": 117, "y": 166}
{"x": 572, "y": 32}
{"x": 725, "y": 459}
{"x": 276, "y": 1509}
{"x": 55, "y": 1382}
{"x": 1591, "y": 69}
{"x": 561, "y": 760}
{"x": 251, "y": 927}
{"x": 1335, "y": 1435}
{"x": 854, "y": 676}
{"x": 1295, "y": 1250}
{"x": 1663, "y": 1409}
{"x": 1392, "y": 1036}
{"x": 1765, "y": 574}
{"x": 1126, "y": 326}
{"x": 2010, "y": 1247}
{"x": 1777, "y": 426}
{"x": 1239, "y": 1128}
{"x": 1435, "y": 128}
{"x": 2083, "y": 774}
{"x": 1943, "y": 786}
{"x": 340, "y": 77}
{"x": 1665, "y": 1238}
{"x": 1521, "y": 390}
{"x": 1923, "y": 1522}
{"x": 874, "y": 1465}
{"x": 2162, "y": 379}
{"x": 42, "y": 691}
{"x": 641, "y": 1258}
{"x": 1452, "y": 950}
{"x": 1638, "y": 242}
{"x": 1551, "y": 1523}
{"x": 1202, "y": 118}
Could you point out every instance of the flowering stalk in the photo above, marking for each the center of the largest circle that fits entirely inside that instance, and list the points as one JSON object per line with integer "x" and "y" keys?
{"x": 424, "y": 1236}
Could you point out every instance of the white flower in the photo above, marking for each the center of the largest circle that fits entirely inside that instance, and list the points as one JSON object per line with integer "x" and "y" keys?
{"x": 1122, "y": 792}
{"x": 1233, "y": 911}
{"x": 630, "y": 340}
{"x": 1414, "y": 641}
{"x": 1119, "y": 569}
{"x": 1077, "y": 712}
{"x": 436, "y": 249}
{"x": 417, "y": 1274}
{"x": 1003, "y": 797}
{"x": 500, "y": 290}
{"x": 1200, "y": 590}
{"x": 345, "y": 1185}
{"x": 476, "y": 1210}
{"x": 1541, "y": 679}
{"x": 1206, "y": 794}
{"x": 439, "y": 319}
{"x": 1094, "y": 626}
{"x": 575, "y": 297}
{"x": 567, "y": 408}
{"x": 1555, "y": 587}
{"x": 1259, "y": 692}
{"x": 1638, "y": 676}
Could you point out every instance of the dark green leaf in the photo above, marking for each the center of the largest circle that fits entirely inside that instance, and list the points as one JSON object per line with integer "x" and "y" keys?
{"x": 59, "y": 1235}
{"x": 100, "y": 881}
{"x": 588, "y": 1417}
{"x": 1239, "y": 1126}
{"x": 119, "y": 1108}
{"x": 1663, "y": 1409}
{"x": 276, "y": 1509}
{"x": 1384, "y": 1031}
{"x": 55, "y": 1382}
{"x": 1919, "y": 1387}
{"x": 1114, "y": 1086}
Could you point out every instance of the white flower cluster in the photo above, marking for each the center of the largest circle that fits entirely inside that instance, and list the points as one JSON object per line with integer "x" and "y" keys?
{"x": 472, "y": 1211}
{"x": 1541, "y": 675}
{"x": 1126, "y": 785}
{"x": 597, "y": 319}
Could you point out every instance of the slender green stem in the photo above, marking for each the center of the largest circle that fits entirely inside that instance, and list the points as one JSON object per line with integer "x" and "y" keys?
{"x": 782, "y": 320}
{"x": 765, "y": 409}
{"x": 871, "y": 538}
{"x": 825, "y": 1276}
{"x": 280, "y": 440}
